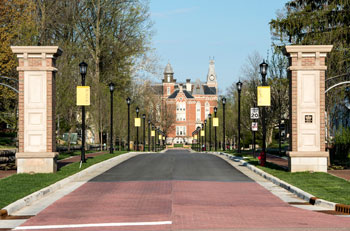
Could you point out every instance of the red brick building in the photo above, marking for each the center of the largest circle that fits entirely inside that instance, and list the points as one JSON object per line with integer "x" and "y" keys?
{"x": 190, "y": 102}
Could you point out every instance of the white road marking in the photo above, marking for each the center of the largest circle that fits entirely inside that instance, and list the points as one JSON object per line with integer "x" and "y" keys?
{"x": 93, "y": 225}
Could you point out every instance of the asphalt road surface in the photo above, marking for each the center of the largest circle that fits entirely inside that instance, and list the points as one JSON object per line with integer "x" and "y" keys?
{"x": 177, "y": 190}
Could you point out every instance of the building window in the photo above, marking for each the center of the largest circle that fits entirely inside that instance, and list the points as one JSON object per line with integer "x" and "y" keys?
{"x": 198, "y": 111}
{"x": 181, "y": 111}
{"x": 207, "y": 109}
{"x": 168, "y": 90}
{"x": 181, "y": 130}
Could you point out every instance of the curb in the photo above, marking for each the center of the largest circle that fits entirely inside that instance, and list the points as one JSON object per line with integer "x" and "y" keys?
{"x": 105, "y": 165}
{"x": 296, "y": 191}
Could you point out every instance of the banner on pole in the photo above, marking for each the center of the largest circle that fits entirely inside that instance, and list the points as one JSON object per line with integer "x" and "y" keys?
{"x": 160, "y": 137}
{"x": 83, "y": 96}
{"x": 137, "y": 122}
{"x": 202, "y": 133}
{"x": 195, "y": 137}
{"x": 215, "y": 122}
{"x": 153, "y": 133}
{"x": 264, "y": 96}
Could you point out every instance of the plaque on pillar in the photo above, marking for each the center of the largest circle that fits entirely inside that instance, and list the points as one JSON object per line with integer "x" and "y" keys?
{"x": 307, "y": 115}
{"x": 36, "y": 123}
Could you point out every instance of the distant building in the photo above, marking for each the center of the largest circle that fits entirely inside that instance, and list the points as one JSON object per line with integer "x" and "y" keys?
{"x": 189, "y": 102}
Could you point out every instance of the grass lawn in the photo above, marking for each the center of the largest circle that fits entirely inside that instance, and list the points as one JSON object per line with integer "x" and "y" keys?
{"x": 319, "y": 184}
{"x": 20, "y": 185}
{"x": 65, "y": 155}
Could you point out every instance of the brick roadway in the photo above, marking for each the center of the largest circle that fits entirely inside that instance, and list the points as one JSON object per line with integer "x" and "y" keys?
{"x": 228, "y": 201}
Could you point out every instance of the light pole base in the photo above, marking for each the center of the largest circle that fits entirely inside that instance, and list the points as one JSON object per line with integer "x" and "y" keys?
{"x": 34, "y": 162}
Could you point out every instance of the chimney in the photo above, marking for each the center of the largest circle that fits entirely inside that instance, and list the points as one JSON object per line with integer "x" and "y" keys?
{"x": 188, "y": 85}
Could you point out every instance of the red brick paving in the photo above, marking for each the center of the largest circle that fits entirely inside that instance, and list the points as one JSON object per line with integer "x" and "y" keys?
{"x": 200, "y": 205}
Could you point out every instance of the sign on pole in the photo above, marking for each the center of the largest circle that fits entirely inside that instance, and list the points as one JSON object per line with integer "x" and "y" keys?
{"x": 215, "y": 122}
{"x": 83, "y": 96}
{"x": 254, "y": 126}
{"x": 137, "y": 122}
{"x": 153, "y": 133}
{"x": 264, "y": 96}
{"x": 195, "y": 137}
{"x": 254, "y": 113}
{"x": 202, "y": 133}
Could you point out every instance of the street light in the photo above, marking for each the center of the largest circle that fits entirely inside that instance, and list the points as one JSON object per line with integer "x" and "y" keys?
{"x": 154, "y": 138}
{"x": 83, "y": 69}
{"x": 263, "y": 72}
{"x": 209, "y": 116}
{"x": 215, "y": 111}
{"x": 144, "y": 131}
{"x": 202, "y": 135}
{"x": 223, "y": 122}
{"x": 128, "y": 101}
{"x": 205, "y": 134}
{"x": 137, "y": 129}
{"x": 239, "y": 89}
{"x": 111, "y": 89}
{"x": 149, "y": 135}
{"x": 199, "y": 137}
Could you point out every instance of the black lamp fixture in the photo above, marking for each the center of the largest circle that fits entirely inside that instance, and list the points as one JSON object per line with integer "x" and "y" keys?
{"x": 215, "y": 134}
{"x": 223, "y": 123}
{"x": 111, "y": 89}
{"x": 239, "y": 89}
{"x": 144, "y": 131}
{"x": 128, "y": 101}
{"x": 263, "y": 72}
{"x": 137, "y": 129}
{"x": 83, "y": 69}
{"x": 209, "y": 116}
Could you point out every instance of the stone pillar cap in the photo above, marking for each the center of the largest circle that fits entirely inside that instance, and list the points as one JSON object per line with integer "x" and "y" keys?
{"x": 37, "y": 50}
{"x": 308, "y": 48}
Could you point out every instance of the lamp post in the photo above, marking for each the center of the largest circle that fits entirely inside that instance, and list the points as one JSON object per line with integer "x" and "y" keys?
{"x": 215, "y": 136}
{"x": 149, "y": 135}
{"x": 199, "y": 138}
{"x": 205, "y": 134}
{"x": 202, "y": 136}
{"x": 223, "y": 123}
{"x": 209, "y": 115}
{"x": 111, "y": 89}
{"x": 128, "y": 101}
{"x": 83, "y": 70}
{"x": 263, "y": 72}
{"x": 144, "y": 131}
{"x": 137, "y": 129}
{"x": 154, "y": 138}
{"x": 239, "y": 89}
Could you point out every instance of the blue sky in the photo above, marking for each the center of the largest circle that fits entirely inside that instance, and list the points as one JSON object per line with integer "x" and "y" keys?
{"x": 187, "y": 32}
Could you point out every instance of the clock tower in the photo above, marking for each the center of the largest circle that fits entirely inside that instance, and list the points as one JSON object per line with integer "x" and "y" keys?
{"x": 211, "y": 77}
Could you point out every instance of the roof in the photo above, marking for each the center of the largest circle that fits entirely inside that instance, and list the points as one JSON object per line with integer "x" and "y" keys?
{"x": 188, "y": 95}
{"x": 168, "y": 69}
{"x": 209, "y": 90}
{"x": 173, "y": 96}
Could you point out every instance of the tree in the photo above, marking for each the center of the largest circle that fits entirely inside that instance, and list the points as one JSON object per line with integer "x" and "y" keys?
{"x": 319, "y": 22}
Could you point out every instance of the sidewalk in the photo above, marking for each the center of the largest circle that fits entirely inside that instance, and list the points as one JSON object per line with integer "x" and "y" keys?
{"x": 60, "y": 163}
{"x": 345, "y": 174}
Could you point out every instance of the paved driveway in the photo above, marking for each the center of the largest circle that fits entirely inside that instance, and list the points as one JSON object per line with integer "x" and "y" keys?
{"x": 177, "y": 190}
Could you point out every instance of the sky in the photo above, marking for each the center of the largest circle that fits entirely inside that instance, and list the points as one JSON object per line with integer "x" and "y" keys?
{"x": 188, "y": 32}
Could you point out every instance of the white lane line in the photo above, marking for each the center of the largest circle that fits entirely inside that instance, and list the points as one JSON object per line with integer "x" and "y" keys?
{"x": 93, "y": 225}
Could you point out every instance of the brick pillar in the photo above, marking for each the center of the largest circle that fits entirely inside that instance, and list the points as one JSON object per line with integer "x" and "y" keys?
{"x": 37, "y": 132}
{"x": 307, "y": 107}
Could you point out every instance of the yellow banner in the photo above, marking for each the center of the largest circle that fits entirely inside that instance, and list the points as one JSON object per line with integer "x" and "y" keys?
{"x": 264, "y": 96}
{"x": 153, "y": 133}
{"x": 163, "y": 137}
{"x": 215, "y": 122}
{"x": 202, "y": 133}
{"x": 83, "y": 96}
{"x": 160, "y": 137}
{"x": 195, "y": 137}
{"x": 137, "y": 122}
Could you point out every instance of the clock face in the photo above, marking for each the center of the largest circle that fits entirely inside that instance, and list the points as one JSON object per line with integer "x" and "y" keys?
{"x": 211, "y": 77}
